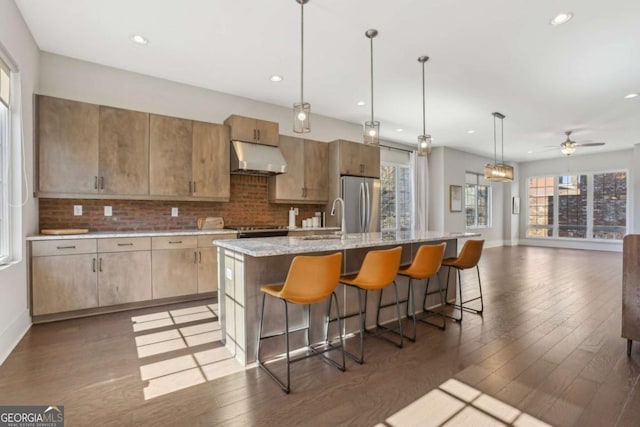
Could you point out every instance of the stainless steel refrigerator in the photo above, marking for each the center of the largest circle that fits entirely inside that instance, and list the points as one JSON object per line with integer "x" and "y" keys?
{"x": 361, "y": 203}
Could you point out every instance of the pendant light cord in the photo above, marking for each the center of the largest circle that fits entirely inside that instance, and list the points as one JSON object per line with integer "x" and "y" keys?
{"x": 502, "y": 137}
{"x": 424, "y": 114}
{"x": 495, "y": 149}
{"x": 301, "y": 53}
{"x": 371, "y": 39}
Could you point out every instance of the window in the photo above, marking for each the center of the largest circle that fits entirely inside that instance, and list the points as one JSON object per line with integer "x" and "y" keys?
{"x": 395, "y": 197}
{"x": 477, "y": 201}
{"x": 584, "y": 206}
{"x": 540, "y": 207}
{"x": 4, "y": 163}
{"x": 609, "y": 205}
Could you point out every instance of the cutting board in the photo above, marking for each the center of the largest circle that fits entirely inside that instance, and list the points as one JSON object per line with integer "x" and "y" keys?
{"x": 210, "y": 223}
{"x": 61, "y": 231}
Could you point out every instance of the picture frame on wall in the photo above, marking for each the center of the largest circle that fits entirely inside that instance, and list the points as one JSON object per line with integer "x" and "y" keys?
{"x": 515, "y": 205}
{"x": 455, "y": 198}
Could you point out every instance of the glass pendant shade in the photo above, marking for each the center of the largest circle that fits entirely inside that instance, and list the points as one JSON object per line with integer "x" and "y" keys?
{"x": 424, "y": 145}
{"x": 372, "y": 133}
{"x": 498, "y": 172}
{"x": 302, "y": 117}
{"x": 568, "y": 150}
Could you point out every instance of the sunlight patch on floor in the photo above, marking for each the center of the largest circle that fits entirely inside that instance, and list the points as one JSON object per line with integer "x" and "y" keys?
{"x": 454, "y": 404}
{"x": 180, "y": 372}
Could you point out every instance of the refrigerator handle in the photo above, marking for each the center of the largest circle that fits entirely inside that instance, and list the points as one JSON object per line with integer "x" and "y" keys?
{"x": 368, "y": 206}
{"x": 361, "y": 208}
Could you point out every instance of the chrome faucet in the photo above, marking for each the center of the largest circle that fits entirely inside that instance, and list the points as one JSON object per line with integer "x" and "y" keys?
{"x": 343, "y": 228}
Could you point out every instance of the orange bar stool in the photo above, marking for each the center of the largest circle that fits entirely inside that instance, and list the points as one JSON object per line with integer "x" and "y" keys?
{"x": 468, "y": 258}
{"x": 425, "y": 264}
{"x": 378, "y": 270}
{"x": 311, "y": 279}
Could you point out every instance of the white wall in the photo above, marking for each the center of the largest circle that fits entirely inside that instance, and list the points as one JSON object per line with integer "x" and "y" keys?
{"x": 17, "y": 43}
{"x": 69, "y": 78}
{"x": 448, "y": 167}
{"x": 597, "y": 162}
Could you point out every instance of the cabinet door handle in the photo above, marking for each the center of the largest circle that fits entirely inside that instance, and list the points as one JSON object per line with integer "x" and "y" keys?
{"x": 195, "y": 257}
{"x": 189, "y": 187}
{"x": 95, "y": 182}
{"x": 125, "y": 244}
{"x": 66, "y": 247}
{"x": 255, "y": 134}
{"x": 258, "y": 134}
{"x": 199, "y": 257}
{"x": 302, "y": 192}
{"x": 94, "y": 265}
{"x": 194, "y": 187}
{"x": 100, "y": 265}
{"x": 102, "y": 182}
{"x": 174, "y": 241}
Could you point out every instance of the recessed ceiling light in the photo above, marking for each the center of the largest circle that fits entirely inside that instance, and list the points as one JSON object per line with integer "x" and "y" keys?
{"x": 361, "y": 103}
{"x": 631, "y": 95}
{"x": 137, "y": 38}
{"x": 530, "y": 152}
{"x": 399, "y": 130}
{"x": 276, "y": 78}
{"x": 471, "y": 131}
{"x": 561, "y": 18}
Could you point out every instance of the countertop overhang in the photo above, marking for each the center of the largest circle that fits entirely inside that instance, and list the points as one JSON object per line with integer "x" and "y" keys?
{"x": 273, "y": 246}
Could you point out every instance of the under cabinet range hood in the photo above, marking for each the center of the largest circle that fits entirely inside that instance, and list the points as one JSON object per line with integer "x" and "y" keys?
{"x": 256, "y": 159}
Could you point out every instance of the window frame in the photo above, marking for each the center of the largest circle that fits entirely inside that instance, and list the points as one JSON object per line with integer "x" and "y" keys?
{"x": 397, "y": 166}
{"x": 5, "y": 165}
{"x": 489, "y": 201}
{"x": 555, "y": 235}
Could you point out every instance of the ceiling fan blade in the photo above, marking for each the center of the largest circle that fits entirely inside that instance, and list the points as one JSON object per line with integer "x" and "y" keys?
{"x": 589, "y": 144}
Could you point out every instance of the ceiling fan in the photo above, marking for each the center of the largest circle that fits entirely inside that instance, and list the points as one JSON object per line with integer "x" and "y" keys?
{"x": 568, "y": 147}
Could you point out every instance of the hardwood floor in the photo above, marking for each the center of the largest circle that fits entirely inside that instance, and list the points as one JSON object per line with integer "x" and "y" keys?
{"x": 548, "y": 344}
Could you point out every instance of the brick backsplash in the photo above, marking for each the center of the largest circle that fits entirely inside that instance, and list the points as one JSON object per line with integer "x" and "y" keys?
{"x": 248, "y": 205}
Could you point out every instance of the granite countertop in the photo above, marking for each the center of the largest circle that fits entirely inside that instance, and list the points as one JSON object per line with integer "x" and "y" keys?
{"x": 315, "y": 229}
{"x": 272, "y": 246}
{"x": 116, "y": 234}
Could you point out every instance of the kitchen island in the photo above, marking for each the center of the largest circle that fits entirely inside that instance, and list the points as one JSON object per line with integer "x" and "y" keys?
{"x": 247, "y": 264}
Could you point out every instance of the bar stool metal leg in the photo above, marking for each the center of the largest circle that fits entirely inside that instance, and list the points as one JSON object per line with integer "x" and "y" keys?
{"x": 385, "y": 328}
{"x": 283, "y": 386}
{"x": 428, "y": 312}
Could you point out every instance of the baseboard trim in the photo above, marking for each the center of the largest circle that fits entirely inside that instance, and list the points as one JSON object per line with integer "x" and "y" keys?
{"x": 12, "y": 335}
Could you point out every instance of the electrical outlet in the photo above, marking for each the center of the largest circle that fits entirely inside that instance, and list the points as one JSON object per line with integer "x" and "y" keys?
{"x": 77, "y": 210}
{"x": 296, "y": 211}
{"x": 174, "y": 211}
{"x": 108, "y": 211}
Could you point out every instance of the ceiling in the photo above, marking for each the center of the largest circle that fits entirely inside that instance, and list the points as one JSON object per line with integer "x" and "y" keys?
{"x": 486, "y": 56}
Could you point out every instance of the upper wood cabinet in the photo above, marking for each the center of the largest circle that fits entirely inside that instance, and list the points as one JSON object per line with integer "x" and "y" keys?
{"x": 91, "y": 151}
{"x": 307, "y": 177}
{"x": 170, "y": 147}
{"x": 253, "y": 130}
{"x": 356, "y": 159}
{"x": 210, "y": 161}
{"x": 67, "y": 146}
{"x": 124, "y": 152}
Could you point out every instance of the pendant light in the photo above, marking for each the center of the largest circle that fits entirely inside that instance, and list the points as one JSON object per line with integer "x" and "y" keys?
{"x": 498, "y": 172}
{"x": 424, "y": 140}
{"x": 371, "y": 128}
{"x": 302, "y": 110}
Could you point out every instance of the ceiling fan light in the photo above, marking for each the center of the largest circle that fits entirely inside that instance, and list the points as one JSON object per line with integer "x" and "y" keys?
{"x": 568, "y": 150}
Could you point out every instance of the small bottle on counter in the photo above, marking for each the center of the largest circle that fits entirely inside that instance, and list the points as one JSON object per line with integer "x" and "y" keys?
{"x": 292, "y": 218}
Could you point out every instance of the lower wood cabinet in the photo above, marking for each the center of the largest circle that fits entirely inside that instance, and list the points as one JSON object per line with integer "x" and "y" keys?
{"x": 124, "y": 277}
{"x": 64, "y": 283}
{"x": 77, "y": 274}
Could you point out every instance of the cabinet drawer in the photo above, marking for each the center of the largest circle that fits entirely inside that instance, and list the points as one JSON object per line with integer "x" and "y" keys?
{"x": 174, "y": 242}
{"x": 63, "y": 247}
{"x": 205, "y": 241}
{"x": 124, "y": 244}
